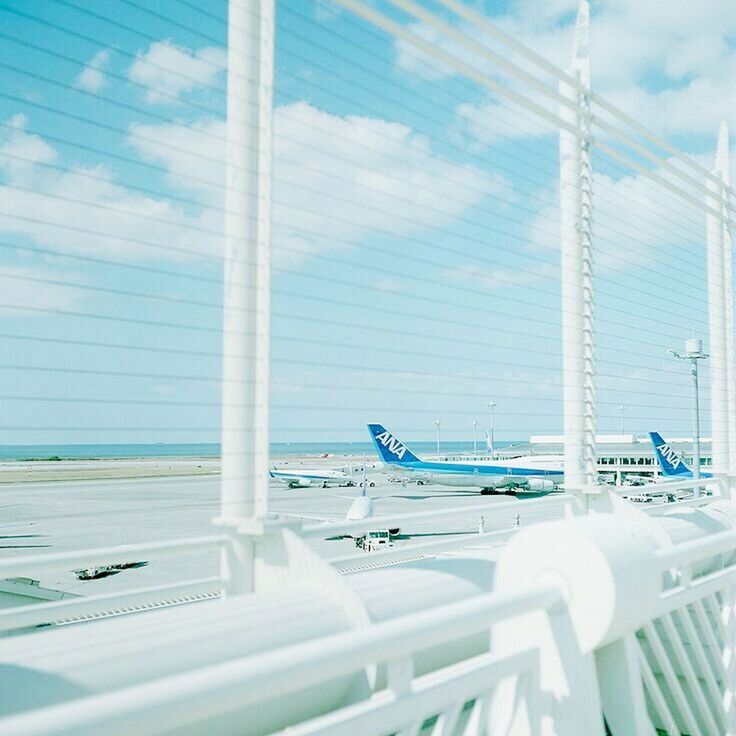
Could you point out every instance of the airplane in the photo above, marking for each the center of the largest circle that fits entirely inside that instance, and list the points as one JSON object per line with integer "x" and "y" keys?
{"x": 306, "y": 477}
{"x": 671, "y": 464}
{"x": 360, "y": 509}
{"x": 522, "y": 474}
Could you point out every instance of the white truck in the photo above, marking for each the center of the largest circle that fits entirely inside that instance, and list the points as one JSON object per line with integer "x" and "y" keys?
{"x": 375, "y": 540}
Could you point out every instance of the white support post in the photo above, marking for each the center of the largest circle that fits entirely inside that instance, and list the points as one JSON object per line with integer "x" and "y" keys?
{"x": 247, "y": 274}
{"x": 577, "y": 272}
{"x": 724, "y": 168}
{"x": 718, "y": 327}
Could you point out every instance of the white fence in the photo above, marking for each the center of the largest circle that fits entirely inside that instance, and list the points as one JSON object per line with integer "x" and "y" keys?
{"x": 609, "y": 617}
{"x": 591, "y": 618}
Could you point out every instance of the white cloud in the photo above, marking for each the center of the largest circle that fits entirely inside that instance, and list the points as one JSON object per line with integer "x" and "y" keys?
{"x": 25, "y": 286}
{"x": 636, "y": 224}
{"x": 91, "y": 77}
{"x": 697, "y": 107}
{"x": 390, "y": 284}
{"x": 65, "y": 208}
{"x": 487, "y": 123}
{"x": 503, "y": 277}
{"x": 672, "y": 67}
{"x": 336, "y": 179}
{"x": 167, "y": 71}
{"x": 20, "y": 153}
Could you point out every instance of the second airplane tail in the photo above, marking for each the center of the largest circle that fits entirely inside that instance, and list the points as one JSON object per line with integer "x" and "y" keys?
{"x": 669, "y": 461}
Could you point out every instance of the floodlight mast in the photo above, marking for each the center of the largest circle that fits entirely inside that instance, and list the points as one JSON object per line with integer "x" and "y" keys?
{"x": 694, "y": 353}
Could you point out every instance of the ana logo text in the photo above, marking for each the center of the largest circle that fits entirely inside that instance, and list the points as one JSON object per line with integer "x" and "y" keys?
{"x": 389, "y": 441}
{"x": 670, "y": 455}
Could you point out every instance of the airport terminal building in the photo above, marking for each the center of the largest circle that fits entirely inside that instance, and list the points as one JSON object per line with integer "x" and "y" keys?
{"x": 621, "y": 457}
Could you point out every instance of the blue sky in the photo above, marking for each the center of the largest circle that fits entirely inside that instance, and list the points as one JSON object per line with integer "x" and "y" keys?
{"x": 416, "y": 265}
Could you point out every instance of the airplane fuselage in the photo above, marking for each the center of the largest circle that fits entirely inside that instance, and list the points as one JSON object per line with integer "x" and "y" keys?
{"x": 482, "y": 475}
{"x": 305, "y": 477}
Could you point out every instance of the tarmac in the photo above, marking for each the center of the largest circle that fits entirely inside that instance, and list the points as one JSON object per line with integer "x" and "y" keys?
{"x": 43, "y": 517}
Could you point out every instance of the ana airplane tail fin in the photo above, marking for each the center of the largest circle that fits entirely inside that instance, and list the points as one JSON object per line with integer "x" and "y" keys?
{"x": 669, "y": 461}
{"x": 390, "y": 449}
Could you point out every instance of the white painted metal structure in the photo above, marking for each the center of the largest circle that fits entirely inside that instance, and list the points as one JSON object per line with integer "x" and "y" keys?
{"x": 576, "y": 183}
{"x": 604, "y": 617}
{"x": 247, "y": 277}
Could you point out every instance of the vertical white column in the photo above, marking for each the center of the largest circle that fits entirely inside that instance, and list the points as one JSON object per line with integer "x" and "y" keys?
{"x": 577, "y": 270}
{"x": 724, "y": 168}
{"x": 247, "y": 274}
{"x": 717, "y": 327}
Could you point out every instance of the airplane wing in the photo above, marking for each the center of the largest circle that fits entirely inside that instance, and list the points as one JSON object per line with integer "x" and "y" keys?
{"x": 326, "y": 519}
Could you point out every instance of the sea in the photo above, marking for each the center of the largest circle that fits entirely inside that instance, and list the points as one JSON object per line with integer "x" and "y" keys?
{"x": 194, "y": 449}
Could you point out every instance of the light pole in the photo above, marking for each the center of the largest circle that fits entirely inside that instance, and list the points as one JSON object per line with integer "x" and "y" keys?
{"x": 475, "y": 436}
{"x": 622, "y": 411}
{"x": 694, "y": 353}
{"x": 491, "y": 406}
{"x": 437, "y": 425}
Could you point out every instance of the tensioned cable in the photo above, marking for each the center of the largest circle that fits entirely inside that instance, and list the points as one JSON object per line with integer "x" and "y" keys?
{"x": 212, "y": 232}
{"x": 276, "y": 405}
{"x": 357, "y": 346}
{"x": 485, "y": 378}
{"x": 80, "y": 62}
{"x": 373, "y": 73}
{"x": 623, "y": 325}
{"x": 449, "y": 31}
{"x": 214, "y": 40}
{"x": 225, "y": 430}
{"x": 200, "y": 254}
{"x": 301, "y": 274}
{"x": 489, "y": 82}
{"x": 289, "y": 31}
{"x": 626, "y": 171}
{"x": 325, "y": 300}
{"x": 207, "y": 231}
{"x": 330, "y": 258}
{"x": 308, "y": 319}
{"x": 463, "y": 288}
{"x": 479, "y": 20}
{"x": 179, "y": 325}
{"x": 290, "y": 338}
{"x": 396, "y": 30}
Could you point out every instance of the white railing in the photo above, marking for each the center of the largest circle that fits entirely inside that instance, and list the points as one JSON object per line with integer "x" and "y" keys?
{"x": 686, "y": 653}
{"x": 132, "y": 600}
{"x": 111, "y": 603}
{"x": 479, "y": 665}
{"x": 458, "y": 694}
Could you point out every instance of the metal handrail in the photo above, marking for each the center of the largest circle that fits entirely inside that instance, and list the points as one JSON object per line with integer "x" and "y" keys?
{"x": 686, "y": 553}
{"x": 57, "y": 611}
{"x": 108, "y": 555}
{"x": 202, "y": 693}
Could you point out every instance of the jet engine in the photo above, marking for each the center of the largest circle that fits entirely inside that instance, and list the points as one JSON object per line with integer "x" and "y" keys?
{"x": 540, "y": 484}
{"x": 300, "y": 483}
